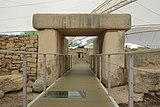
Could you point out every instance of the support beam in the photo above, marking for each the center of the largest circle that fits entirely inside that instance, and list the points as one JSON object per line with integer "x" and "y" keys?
{"x": 109, "y": 6}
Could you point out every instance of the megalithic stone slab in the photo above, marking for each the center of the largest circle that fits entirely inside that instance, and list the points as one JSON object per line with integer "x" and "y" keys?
{"x": 82, "y": 21}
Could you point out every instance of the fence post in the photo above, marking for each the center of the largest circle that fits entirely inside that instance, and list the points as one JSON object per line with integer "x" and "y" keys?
{"x": 91, "y": 62}
{"x": 100, "y": 68}
{"x": 71, "y": 61}
{"x": 44, "y": 71}
{"x": 130, "y": 83}
{"x": 96, "y": 65}
{"x": 24, "y": 80}
{"x": 109, "y": 81}
{"x": 64, "y": 68}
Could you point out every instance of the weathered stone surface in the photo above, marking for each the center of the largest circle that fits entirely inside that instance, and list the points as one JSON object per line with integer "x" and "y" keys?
{"x": 15, "y": 72}
{"x": 20, "y": 44}
{"x": 32, "y": 59}
{"x": 9, "y": 45}
{"x": 120, "y": 94}
{"x": 38, "y": 85}
{"x": 2, "y": 55}
{"x": 33, "y": 37}
{"x": 29, "y": 90}
{"x": 11, "y": 83}
{"x": 32, "y": 65}
{"x": 146, "y": 80}
{"x": 16, "y": 62}
{"x": 32, "y": 78}
{"x": 29, "y": 45}
{"x": 30, "y": 83}
{"x": 82, "y": 21}
{"x": 2, "y": 94}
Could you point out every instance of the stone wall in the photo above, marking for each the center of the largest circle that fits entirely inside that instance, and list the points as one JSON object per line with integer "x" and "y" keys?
{"x": 150, "y": 59}
{"x": 86, "y": 52}
{"x": 12, "y": 63}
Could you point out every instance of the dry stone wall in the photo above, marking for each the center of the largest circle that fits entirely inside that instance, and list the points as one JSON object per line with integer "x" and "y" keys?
{"x": 12, "y": 63}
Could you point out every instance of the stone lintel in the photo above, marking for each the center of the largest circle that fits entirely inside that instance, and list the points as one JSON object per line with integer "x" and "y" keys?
{"x": 82, "y": 21}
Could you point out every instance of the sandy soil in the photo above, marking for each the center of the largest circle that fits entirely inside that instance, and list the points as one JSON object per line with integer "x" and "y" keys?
{"x": 149, "y": 101}
{"x": 14, "y": 99}
{"x": 120, "y": 94}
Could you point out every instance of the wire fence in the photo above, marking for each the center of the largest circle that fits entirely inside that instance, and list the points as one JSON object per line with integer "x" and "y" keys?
{"x": 46, "y": 66}
{"x": 135, "y": 80}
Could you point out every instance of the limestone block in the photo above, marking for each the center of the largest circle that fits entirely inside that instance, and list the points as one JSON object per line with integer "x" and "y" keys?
{"x": 17, "y": 61}
{"x": 11, "y": 83}
{"x": 17, "y": 65}
{"x": 32, "y": 65}
{"x": 13, "y": 37}
{"x": 33, "y": 70}
{"x": 35, "y": 45}
{"x": 31, "y": 41}
{"x": 38, "y": 85}
{"x": 4, "y": 70}
{"x": 20, "y": 44}
{"x": 16, "y": 57}
{"x": 2, "y": 55}
{"x": 35, "y": 37}
{"x": 2, "y": 38}
{"x": 30, "y": 83}
{"x": 4, "y": 43}
{"x": 34, "y": 56}
{"x": 14, "y": 49}
{"x": 29, "y": 45}
{"x": 14, "y": 67}
{"x": 23, "y": 48}
{"x": 32, "y": 75}
{"x": 30, "y": 59}
{"x": 2, "y": 94}
{"x": 24, "y": 38}
{"x": 0, "y": 62}
{"x": 32, "y": 78}
{"x": 8, "y": 56}
{"x": 14, "y": 72}
{"x": 31, "y": 49}
{"x": 9, "y": 45}
{"x": 146, "y": 80}
{"x": 17, "y": 41}
{"x": 29, "y": 90}
{"x": 82, "y": 21}
{"x": 26, "y": 41}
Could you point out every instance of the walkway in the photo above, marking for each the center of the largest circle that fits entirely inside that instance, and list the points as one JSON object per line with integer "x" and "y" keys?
{"x": 78, "y": 88}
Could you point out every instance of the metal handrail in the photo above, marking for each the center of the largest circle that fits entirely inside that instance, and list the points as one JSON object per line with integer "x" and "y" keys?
{"x": 25, "y": 52}
{"x": 24, "y": 65}
{"x": 133, "y": 52}
{"x": 94, "y": 59}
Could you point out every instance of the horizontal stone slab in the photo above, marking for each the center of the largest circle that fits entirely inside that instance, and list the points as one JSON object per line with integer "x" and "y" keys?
{"x": 82, "y": 21}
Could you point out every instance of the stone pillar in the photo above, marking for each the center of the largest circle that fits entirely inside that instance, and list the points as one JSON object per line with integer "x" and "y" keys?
{"x": 50, "y": 41}
{"x": 113, "y": 42}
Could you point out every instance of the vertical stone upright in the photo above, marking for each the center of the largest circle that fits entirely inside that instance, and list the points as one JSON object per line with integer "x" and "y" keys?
{"x": 50, "y": 41}
{"x": 114, "y": 42}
